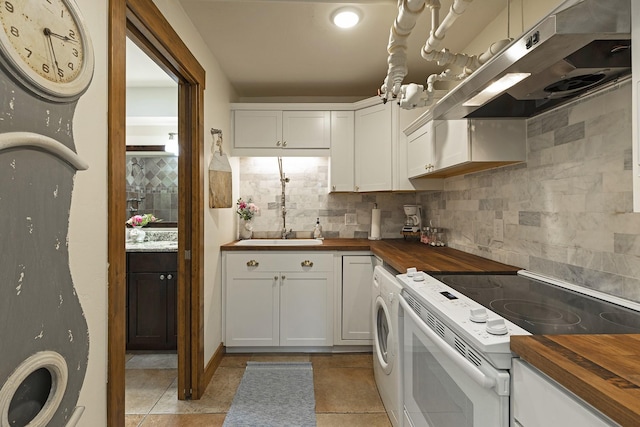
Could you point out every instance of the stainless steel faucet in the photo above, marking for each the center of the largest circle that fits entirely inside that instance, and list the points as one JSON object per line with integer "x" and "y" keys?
{"x": 283, "y": 205}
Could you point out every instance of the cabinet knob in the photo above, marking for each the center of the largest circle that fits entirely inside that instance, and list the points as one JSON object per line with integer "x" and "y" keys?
{"x": 306, "y": 263}
{"x": 275, "y": 278}
{"x": 357, "y": 188}
{"x": 169, "y": 276}
{"x": 284, "y": 143}
{"x": 283, "y": 277}
{"x": 162, "y": 277}
{"x": 252, "y": 263}
{"x": 278, "y": 144}
{"x": 333, "y": 187}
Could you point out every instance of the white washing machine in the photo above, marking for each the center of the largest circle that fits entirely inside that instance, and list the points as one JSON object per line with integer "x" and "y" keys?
{"x": 386, "y": 369}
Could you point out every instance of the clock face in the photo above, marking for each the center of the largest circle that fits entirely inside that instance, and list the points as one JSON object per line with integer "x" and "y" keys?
{"x": 46, "y": 43}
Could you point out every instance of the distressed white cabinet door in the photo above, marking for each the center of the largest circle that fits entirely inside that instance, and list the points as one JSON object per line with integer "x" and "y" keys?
{"x": 257, "y": 129}
{"x": 252, "y": 309}
{"x": 306, "y": 309}
{"x": 306, "y": 129}
{"x": 373, "y": 163}
{"x": 357, "y": 278}
{"x": 341, "y": 163}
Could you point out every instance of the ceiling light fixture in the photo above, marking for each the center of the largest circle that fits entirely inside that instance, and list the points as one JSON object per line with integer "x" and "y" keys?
{"x": 496, "y": 88}
{"x": 346, "y": 17}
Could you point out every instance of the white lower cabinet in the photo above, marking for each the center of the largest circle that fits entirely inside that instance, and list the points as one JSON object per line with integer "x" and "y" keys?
{"x": 539, "y": 401}
{"x": 356, "y": 310}
{"x": 278, "y": 299}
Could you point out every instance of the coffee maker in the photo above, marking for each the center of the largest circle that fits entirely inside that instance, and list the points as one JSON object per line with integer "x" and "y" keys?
{"x": 413, "y": 219}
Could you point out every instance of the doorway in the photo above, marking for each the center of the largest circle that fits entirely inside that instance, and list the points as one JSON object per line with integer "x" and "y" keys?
{"x": 142, "y": 22}
{"x": 151, "y": 182}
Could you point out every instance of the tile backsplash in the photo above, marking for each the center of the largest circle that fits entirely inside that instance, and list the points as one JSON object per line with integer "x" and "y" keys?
{"x": 307, "y": 198}
{"x": 154, "y": 180}
{"x": 568, "y": 211}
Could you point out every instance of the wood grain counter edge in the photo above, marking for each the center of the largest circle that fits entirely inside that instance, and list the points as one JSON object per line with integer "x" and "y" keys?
{"x": 602, "y": 370}
{"x": 400, "y": 255}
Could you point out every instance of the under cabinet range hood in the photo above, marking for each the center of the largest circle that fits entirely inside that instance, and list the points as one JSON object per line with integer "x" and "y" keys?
{"x": 577, "y": 48}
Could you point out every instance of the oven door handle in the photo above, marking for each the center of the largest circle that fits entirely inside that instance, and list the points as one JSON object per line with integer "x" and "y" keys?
{"x": 469, "y": 368}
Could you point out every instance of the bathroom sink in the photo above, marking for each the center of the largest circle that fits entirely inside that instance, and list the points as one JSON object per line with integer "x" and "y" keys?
{"x": 279, "y": 242}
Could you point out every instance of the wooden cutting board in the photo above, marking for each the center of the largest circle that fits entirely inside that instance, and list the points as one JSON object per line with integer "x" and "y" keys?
{"x": 219, "y": 181}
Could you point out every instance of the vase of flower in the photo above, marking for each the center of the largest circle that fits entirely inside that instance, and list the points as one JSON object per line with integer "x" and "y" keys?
{"x": 246, "y": 212}
{"x": 136, "y": 222}
{"x": 245, "y": 229}
{"x": 137, "y": 234}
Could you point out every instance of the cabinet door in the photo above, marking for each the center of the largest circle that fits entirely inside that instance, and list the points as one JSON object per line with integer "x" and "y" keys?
{"x": 147, "y": 313}
{"x": 172, "y": 309}
{"x": 420, "y": 158}
{"x": 306, "y": 129}
{"x": 257, "y": 129}
{"x": 341, "y": 176}
{"x": 533, "y": 391}
{"x": 306, "y": 309}
{"x": 373, "y": 171}
{"x": 452, "y": 143}
{"x": 357, "y": 278}
{"x": 252, "y": 307}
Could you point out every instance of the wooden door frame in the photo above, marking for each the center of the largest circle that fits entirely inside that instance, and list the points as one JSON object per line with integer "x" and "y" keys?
{"x": 143, "y": 22}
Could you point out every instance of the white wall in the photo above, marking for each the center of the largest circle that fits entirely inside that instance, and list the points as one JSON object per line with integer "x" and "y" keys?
{"x": 219, "y": 223}
{"x": 521, "y": 20}
{"x": 88, "y": 217}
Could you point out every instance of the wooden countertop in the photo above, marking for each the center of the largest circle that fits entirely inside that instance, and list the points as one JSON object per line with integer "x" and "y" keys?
{"x": 604, "y": 370}
{"x": 401, "y": 254}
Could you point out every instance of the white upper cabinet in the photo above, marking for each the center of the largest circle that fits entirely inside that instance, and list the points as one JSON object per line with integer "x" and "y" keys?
{"x": 443, "y": 148}
{"x": 257, "y": 129}
{"x": 306, "y": 129}
{"x": 420, "y": 150}
{"x": 269, "y": 131}
{"x": 373, "y": 147}
{"x": 341, "y": 174}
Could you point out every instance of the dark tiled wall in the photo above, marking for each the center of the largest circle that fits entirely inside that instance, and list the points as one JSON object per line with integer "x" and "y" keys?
{"x": 153, "y": 180}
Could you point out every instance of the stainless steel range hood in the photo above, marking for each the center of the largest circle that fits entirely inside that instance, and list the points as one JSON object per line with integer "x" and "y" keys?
{"x": 577, "y": 48}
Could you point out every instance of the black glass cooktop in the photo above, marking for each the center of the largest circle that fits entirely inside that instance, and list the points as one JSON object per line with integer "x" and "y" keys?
{"x": 543, "y": 308}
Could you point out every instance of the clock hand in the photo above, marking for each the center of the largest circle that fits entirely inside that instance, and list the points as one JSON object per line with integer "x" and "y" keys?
{"x": 47, "y": 33}
{"x": 65, "y": 38}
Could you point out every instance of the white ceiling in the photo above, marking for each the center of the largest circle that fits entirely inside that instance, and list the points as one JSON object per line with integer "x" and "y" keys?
{"x": 271, "y": 48}
{"x": 286, "y": 48}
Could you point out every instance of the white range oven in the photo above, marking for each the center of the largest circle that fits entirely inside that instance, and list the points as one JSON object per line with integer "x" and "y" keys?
{"x": 454, "y": 340}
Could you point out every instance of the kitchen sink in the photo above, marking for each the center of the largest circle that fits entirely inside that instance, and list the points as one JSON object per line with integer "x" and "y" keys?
{"x": 279, "y": 242}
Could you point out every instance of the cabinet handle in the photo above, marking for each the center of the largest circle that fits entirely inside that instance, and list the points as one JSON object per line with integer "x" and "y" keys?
{"x": 162, "y": 277}
{"x": 283, "y": 277}
{"x": 169, "y": 276}
{"x": 357, "y": 188}
{"x": 284, "y": 143}
{"x": 278, "y": 144}
{"x": 306, "y": 263}
{"x": 253, "y": 263}
{"x": 333, "y": 187}
{"x": 275, "y": 278}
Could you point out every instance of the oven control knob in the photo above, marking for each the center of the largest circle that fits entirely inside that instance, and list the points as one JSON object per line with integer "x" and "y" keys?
{"x": 496, "y": 326}
{"x": 478, "y": 315}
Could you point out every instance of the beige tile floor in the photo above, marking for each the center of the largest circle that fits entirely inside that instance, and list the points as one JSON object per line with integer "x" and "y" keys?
{"x": 344, "y": 387}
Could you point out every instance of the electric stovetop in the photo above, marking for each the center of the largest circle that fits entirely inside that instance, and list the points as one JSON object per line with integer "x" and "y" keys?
{"x": 544, "y": 308}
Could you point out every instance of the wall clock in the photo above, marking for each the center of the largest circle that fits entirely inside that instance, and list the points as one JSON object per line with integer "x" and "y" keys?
{"x": 45, "y": 46}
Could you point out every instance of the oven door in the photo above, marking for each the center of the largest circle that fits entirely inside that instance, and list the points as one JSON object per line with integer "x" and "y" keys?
{"x": 441, "y": 388}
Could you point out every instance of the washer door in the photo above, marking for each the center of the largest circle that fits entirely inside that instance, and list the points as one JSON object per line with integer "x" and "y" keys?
{"x": 383, "y": 335}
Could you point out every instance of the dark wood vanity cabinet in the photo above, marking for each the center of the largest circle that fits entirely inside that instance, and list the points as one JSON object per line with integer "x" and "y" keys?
{"x": 152, "y": 300}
